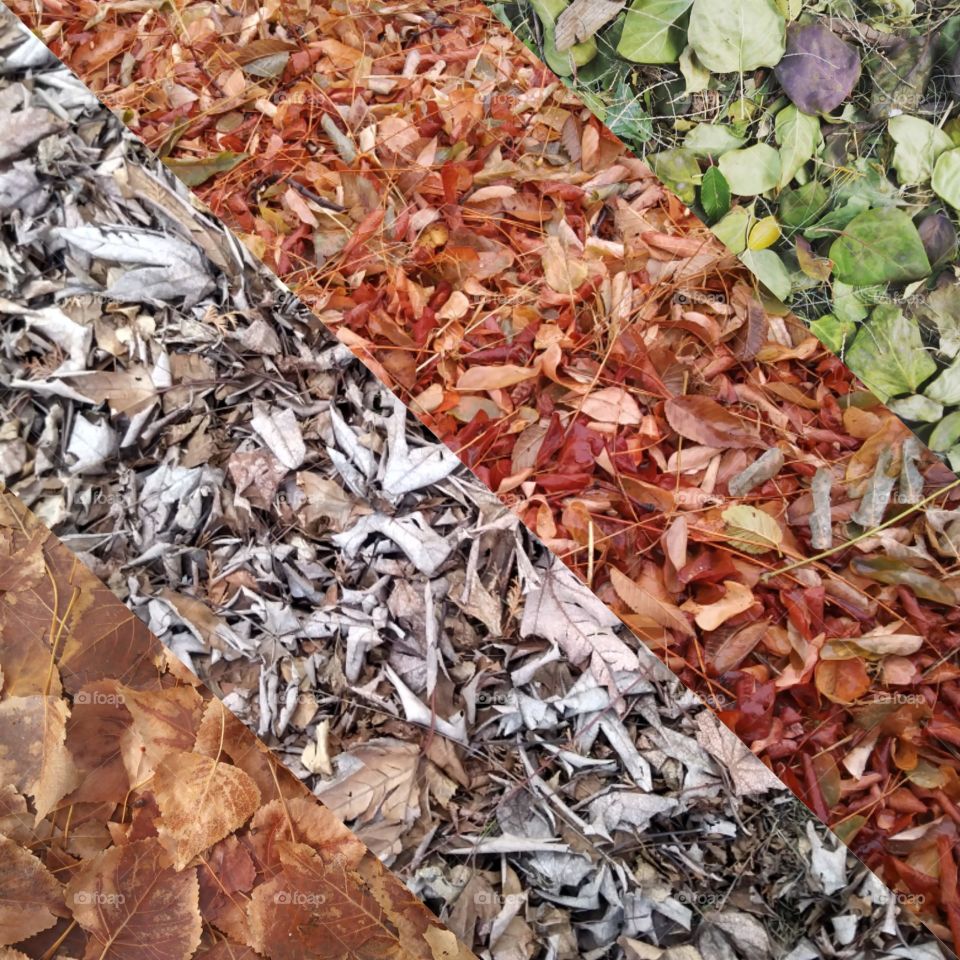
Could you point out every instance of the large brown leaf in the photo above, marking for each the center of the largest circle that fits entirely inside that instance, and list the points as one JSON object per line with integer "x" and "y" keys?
{"x": 96, "y": 730}
{"x": 135, "y": 906}
{"x": 33, "y": 756}
{"x": 25, "y": 627}
{"x": 163, "y": 720}
{"x": 201, "y": 801}
{"x": 302, "y": 821}
{"x": 31, "y": 899}
{"x": 703, "y": 420}
{"x": 319, "y": 910}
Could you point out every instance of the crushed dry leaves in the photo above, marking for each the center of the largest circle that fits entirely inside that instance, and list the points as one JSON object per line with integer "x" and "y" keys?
{"x": 483, "y": 722}
{"x": 141, "y": 818}
{"x": 503, "y": 308}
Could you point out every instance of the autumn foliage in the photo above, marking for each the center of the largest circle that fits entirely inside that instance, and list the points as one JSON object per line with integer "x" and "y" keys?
{"x": 584, "y": 345}
{"x": 140, "y": 818}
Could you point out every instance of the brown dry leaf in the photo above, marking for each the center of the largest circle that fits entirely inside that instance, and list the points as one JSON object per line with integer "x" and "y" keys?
{"x": 303, "y": 821}
{"x": 582, "y": 19}
{"x": 747, "y": 773}
{"x": 33, "y": 756}
{"x": 201, "y": 801}
{"x": 31, "y": 898}
{"x": 96, "y": 731}
{"x": 703, "y": 420}
{"x": 107, "y": 642}
{"x": 842, "y": 681}
{"x": 133, "y": 904}
{"x": 561, "y": 271}
{"x": 25, "y": 624}
{"x": 327, "y": 503}
{"x": 710, "y": 616}
{"x": 314, "y": 909}
{"x": 162, "y": 720}
{"x": 727, "y": 650}
{"x": 611, "y": 405}
{"x": 380, "y": 779}
{"x": 210, "y": 627}
{"x": 648, "y": 598}
{"x": 494, "y": 378}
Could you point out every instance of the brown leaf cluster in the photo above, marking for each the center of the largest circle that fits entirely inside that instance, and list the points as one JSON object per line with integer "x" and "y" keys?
{"x": 140, "y": 818}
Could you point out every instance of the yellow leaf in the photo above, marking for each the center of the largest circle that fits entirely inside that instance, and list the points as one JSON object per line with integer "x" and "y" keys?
{"x": 751, "y": 530}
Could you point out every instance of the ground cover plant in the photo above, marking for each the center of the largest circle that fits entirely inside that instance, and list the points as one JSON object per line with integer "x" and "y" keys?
{"x": 586, "y": 346}
{"x": 822, "y": 143}
{"x": 486, "y": 727}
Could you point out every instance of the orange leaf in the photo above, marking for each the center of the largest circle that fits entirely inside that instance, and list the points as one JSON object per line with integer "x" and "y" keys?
{"x": 201, "y": 801}
{"x": 842, "y": 681}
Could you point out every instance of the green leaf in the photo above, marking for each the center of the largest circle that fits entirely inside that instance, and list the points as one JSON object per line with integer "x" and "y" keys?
{"x": 714, "y": 195}
{"x": 680, "y": 172}
{"x": 737, "y": 36}
{"x": 942, "y": 310}
{"x": 888, "y": 354}
{"x": 769, "y": 269}
{"x": 832, "y": 333}
{"x": 194, "y": 172}
{"x": 798, "y": 135}
{"x": 946, "y": 388}
{"x": 945, "y": 433}
{"x": 916, "y": 408}
{"x": 732, "y": 230}
{"x": 712, "y": 139}
{"x": 888, "y": 570}
{"x": 654, "y": 31}
{"x": 918, "y": 143}
{"x": 752, "y": 170}
{"x": 848, "y": 307}
{"x": 880, "y": 246}
{"x": 626, "y": 117}
{"x": 802, "y": 206}
{"x": 946, "y": 177}
{"x": 695, "y": 74}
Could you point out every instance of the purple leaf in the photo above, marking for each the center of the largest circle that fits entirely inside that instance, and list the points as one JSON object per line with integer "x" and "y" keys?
{"x": 939, "y": 238}
{"x": 818, "y": 71}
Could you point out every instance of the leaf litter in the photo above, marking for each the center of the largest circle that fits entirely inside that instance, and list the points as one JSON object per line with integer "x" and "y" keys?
{"x": 484, "y": 329}
{"x": 487, "y": 726}
{"x": 819, "y": 139}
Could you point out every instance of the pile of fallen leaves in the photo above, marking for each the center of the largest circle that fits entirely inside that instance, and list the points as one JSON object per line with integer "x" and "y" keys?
{"x": 139, "y": 815}
{"x": 328, "y": 133}
{"x": 586, "y": 347}
{"x": 484, "y": 723}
